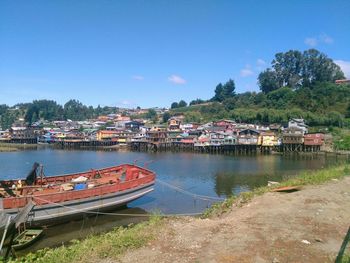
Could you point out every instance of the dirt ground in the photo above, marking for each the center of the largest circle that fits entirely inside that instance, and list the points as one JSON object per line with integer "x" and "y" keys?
{"x": 304, "y": 226}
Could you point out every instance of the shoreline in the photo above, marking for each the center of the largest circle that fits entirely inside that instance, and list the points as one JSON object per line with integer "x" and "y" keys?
{"x": 144, "y": 235}
{"x": 13, "y": 147}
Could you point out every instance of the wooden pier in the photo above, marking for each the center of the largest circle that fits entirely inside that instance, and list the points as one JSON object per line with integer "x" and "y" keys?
{"x": 77, "y": 144}
{"x": 229, "y": 149}
{"x": 20, "y": 141}
{"x": 147, "y": 146}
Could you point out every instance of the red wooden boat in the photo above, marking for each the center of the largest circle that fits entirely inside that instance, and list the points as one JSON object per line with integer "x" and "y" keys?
{"x": 57, "y": 198}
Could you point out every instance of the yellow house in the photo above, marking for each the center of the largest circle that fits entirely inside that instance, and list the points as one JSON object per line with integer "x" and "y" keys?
{"x": 105, "y": 135}
{"x": 174, "y": 124}
{"x": 269, "y": 139}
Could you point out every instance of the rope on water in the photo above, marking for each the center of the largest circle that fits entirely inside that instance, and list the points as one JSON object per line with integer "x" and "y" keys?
{"x": 115, "y": 214}
{"x": 196, "y": 196}
{"x": 176, "y": 188}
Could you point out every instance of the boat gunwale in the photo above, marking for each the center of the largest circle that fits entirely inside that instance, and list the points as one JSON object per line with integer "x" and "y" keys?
{"x": 88, "y": 171}
{"x": 149, "y": 178}
{"x": 81, "y": 200}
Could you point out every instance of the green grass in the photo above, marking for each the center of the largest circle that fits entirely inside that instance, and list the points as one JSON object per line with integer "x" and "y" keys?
{"x": 341, "y": 139}
{"x": 95, "y": 248}
{"x": 305, "y": 178}
{"x": 345, "y": 258}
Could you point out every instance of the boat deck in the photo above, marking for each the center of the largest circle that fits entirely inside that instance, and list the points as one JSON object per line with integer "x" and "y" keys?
{"x": 57, "y": 189}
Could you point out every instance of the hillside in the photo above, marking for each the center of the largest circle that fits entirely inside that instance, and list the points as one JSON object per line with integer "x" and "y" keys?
{"x": 326, "y": 104}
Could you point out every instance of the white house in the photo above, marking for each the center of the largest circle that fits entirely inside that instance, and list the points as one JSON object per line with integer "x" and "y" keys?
{"x": 298, "y": 123}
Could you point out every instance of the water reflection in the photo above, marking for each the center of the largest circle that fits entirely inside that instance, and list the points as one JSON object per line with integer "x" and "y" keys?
{"x": 248, "y": 175}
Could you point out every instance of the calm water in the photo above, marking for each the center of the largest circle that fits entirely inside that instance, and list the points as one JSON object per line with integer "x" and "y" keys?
{"x": 210, "y": 175}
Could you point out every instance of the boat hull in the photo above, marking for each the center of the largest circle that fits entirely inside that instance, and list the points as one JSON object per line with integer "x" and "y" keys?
{"x": 54, "y": 213}
{"x": 34, "y": 233}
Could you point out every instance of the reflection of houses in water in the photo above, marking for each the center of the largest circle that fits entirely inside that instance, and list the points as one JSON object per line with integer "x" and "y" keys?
{"x": 248, "y": 174}
{"x": 233, "y": 183}
{"x": 309, "y": 161}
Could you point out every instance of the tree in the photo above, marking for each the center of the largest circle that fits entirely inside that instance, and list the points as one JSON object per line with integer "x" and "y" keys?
{"x": 7, "y": 119}
{"x": 280, "y": 98}
{"x": 194, "y": 116}
{"x": 31, "y": 114}
{"x": 151, "y": 114}
{"x": 218, "y": 93}
{"x": 214, "y": 109}
{"x": 288, "y": 68}
{"x": 304, "y": 98}
{"x": 43, "y": 109}
{"x": 229, "y": 89}
{"x": 296, "y": 69}
{"x": 75, "y": 110}
{"x": 347, "y": 114}
{"x": 317, "y": 67}
{"x": 174, "y": 105}
{"x": 196, "y": 101}
{"x": 335, "y": 118}
{"x": 230, "y": 103}
{"x": 166, "y": 116}
{"x": 3, "y": 108}
{"x": 225, "y": 91}
{"x": 268, "y": 81}
{"x": 182, "y": 103}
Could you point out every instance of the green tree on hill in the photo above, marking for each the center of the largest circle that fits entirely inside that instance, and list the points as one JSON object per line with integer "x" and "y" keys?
{"x": 174, "y": 105}
{"x": 225, "y": 91}
{"x": 317, "y": 67}
{"x": 296, "y": 69}
{"x": 218, "y": 93}
{"x": 43, "y": 109}
{"x": 182, "y": 103}
{"x": 75, "y": 110}
{"x": 196, "y": 101}
{"x": 151, "y": 114}
{"x": 166, "y": 117}
{"x": 3, "y": 108}
{"x": 268, "y": 81}
{"x": 347, "y": 114}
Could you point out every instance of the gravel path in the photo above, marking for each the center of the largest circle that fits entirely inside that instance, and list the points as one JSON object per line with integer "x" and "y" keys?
{"x": 304, "y": 226}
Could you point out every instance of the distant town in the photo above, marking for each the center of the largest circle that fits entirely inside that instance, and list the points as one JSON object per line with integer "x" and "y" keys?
{"x": 120, "y": 129}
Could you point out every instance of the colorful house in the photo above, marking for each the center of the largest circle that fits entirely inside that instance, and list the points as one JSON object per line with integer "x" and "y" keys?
{"x": 293, "y": 135}
{"x": 249, "y": 137}
{"x": 202, "y": 140}
{"x": 157, "y": 136}
{"x": 314, "y": 139}
{"x": 298, "y": 123}
{"x": 174, "y": 123}
{"x": 269, "y": 139}
{"x": 105, "y": 135}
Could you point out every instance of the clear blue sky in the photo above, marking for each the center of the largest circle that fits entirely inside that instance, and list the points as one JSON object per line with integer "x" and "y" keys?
{"x": 151, "y": 53}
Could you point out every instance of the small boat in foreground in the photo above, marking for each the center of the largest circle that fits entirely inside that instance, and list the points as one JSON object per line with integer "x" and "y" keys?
{"x": 59, "y": 198}
{"x": 26, "y": 238}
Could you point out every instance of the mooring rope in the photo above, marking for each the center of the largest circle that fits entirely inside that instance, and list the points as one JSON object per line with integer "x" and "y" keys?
{"x": 196, "y": 196}
{"x": 115, "y": 214}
